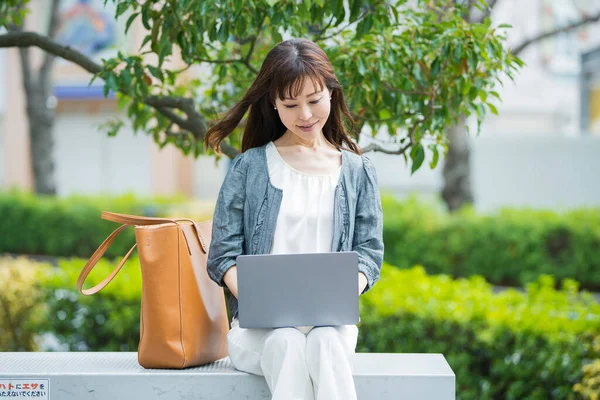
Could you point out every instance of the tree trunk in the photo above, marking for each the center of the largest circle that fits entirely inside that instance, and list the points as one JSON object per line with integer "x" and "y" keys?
{"x": 41, "y": 141}
{"x": 457, "y": 174}
{"x": 38, "y": 86}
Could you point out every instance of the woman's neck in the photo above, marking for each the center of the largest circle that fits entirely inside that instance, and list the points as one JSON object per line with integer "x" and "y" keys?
{"x": 290, "y": 139}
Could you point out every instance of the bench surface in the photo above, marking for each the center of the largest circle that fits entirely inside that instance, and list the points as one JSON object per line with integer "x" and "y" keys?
{"x": 114, "y": 375}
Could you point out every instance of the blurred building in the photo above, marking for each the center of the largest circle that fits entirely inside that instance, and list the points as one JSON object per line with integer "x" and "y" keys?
{"x": 543, "y": 150}
{"x": 86, "y": 160}
{"x": 590, "y": 92}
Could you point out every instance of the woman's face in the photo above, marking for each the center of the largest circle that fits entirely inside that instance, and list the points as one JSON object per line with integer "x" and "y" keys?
{"x": 306, "y": 114}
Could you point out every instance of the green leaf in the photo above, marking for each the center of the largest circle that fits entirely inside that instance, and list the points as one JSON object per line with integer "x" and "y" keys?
{"x": 130, "y": 20}
{"x": 417, "y": 154}
{"x": 146, "y": 15}
{"x": 492, "y": 108}
{"x": 435, "y": 67}
{"x": 94, "y": 78}
{"x": 111, "y": 83}
{"x": 384, "y": 114}
{"x": 146, "y": 40}
{"x": 122, "y": 101}
{"x": 458, "y": 53}
{"x": 241, "y": 26}
{"x": 466, "y": 86}
{"x": 121, "y": 9}
{"x": 362, "y": 67}
{"x": 126, "y": 77}
{"x": 473, "y": 93}
{"x": 355, "y": 8}
{"x": 473, "y": 61}
{"x": 156, "y": 72}
{"x": 483, "y": 95}
{"x": 436, "y": 157}
{"x": 363, "y": 27}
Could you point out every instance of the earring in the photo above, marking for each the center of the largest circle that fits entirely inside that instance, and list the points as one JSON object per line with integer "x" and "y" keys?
{"x": 274, "y": 108}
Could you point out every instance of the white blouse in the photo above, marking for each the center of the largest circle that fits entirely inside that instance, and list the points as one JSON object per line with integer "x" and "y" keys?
{"x": 305, "y": 220}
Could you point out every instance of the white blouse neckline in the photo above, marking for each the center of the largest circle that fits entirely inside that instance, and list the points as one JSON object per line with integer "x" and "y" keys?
{"x": 280, "y": 157}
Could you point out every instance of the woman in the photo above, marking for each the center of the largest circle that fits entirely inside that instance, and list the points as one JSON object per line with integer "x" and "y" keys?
{"x": 299, "y": 186}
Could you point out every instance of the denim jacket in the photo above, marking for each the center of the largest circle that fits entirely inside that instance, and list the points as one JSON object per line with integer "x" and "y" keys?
{"x": 248, "y": 205}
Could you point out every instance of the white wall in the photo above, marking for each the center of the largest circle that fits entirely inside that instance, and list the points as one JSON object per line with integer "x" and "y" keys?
{"x": 511, "y": 170}
{"x": 554, "y": 172}
{"x": 545, "y": 96}
{"x": 89, "y": 162}
{"x": 208, "y": 176}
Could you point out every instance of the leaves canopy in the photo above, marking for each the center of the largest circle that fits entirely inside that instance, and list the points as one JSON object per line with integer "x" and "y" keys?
{"x": 409, "y": 66}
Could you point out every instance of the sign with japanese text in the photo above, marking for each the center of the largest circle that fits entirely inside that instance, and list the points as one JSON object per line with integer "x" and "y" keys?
{"x": 25, "y": 388}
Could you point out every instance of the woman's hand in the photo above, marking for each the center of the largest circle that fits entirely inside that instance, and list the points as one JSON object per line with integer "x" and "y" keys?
{"x": 230, "y": 279}
{"x": 362, "y": 282}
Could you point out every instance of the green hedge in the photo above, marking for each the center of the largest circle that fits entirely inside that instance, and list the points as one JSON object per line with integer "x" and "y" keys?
{"x": 533, "y": 345}
{"x": 20, "y": 304}
{"x": 52, "y": 226}
{"x": 511, "y": 247}
{"x": 39, "y": 299}
{"x": 512, "y": 345}
{"x": 106, "y": 321}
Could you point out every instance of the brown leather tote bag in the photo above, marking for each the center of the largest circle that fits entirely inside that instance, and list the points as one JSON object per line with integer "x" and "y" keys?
{"x": 183, "y": 319}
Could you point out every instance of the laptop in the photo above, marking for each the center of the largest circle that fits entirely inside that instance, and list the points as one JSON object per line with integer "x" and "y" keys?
{"x": 289, "y": 290}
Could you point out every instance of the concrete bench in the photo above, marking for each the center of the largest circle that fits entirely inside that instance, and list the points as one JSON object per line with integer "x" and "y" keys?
{"x": 116, "y": 376}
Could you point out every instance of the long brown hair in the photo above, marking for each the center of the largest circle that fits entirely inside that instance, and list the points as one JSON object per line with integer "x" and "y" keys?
{"x": 282, "y": 74}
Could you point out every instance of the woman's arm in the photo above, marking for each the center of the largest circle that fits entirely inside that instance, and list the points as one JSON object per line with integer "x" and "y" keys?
{"x": 228, "y": 225}
{"x": 230, "y": 279}
{"x": 368, "y": 227}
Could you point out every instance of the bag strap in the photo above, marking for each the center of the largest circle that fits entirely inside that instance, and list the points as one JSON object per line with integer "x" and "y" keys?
{"x": 126, "y": 221}
{"x": 94, "y": 260}
{"x": 136, "y": 220}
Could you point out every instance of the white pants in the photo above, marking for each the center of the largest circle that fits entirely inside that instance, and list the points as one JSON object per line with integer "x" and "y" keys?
{"x": 315, "y": 366}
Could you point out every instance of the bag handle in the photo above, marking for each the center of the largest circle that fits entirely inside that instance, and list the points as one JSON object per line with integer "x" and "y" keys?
{"x": 94, "y": 260}
{"x": 136, "y": 220}
{"x": 126, "y": 220}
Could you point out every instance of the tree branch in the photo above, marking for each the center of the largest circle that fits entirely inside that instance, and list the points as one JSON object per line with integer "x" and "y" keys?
{"x": 230, "y": 61}
{"x": 29, "y": 39}
{"x": 375, "y": 147}
{"x": 195, "y": 123}
{"x": 361, "y": 16}
{"x": 182, "y": 103}
{"x": 227, "y": 61}
{"x": 406, "y": 92}
{"x": 584, "y": 21}
{"x": 411, "y": 138}
{"x": 253, "y": 44}
{"x": 486, "y": 13}
{"x": 324, "y": 29}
